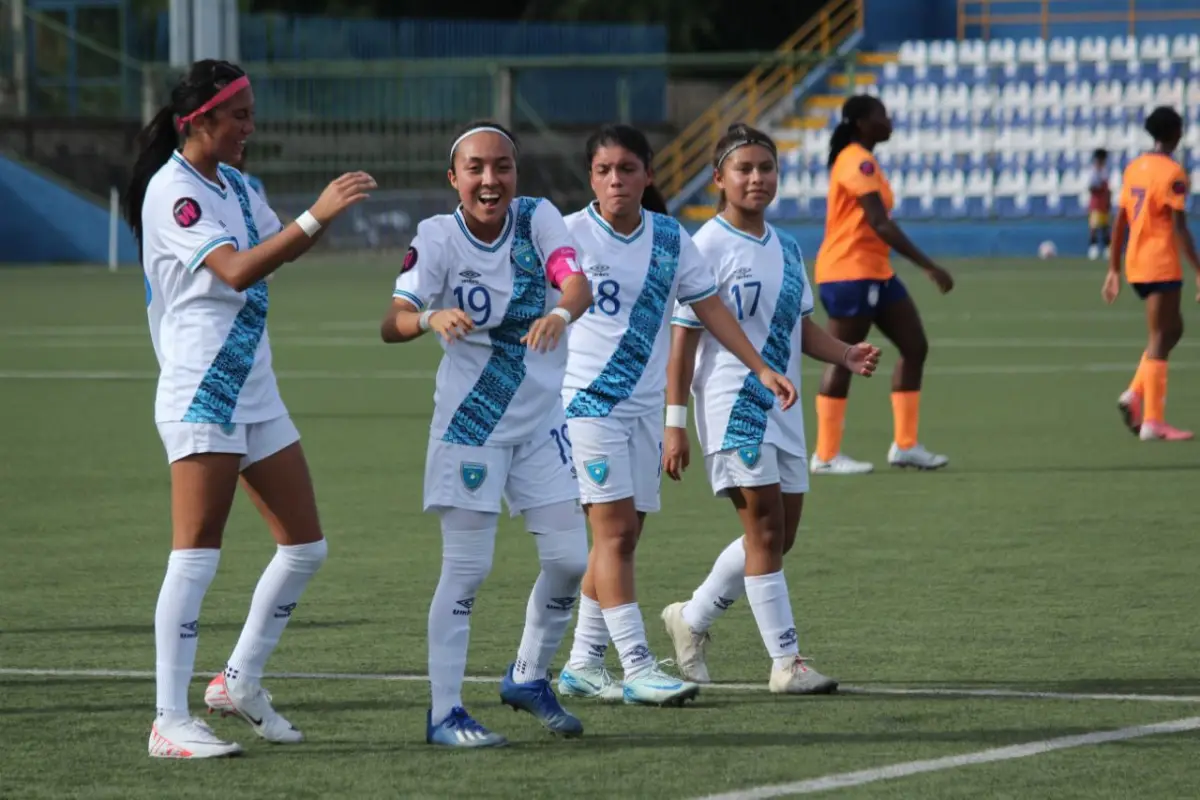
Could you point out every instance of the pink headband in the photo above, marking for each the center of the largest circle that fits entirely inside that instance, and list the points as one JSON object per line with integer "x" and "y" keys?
{"x": 220, "y": 97}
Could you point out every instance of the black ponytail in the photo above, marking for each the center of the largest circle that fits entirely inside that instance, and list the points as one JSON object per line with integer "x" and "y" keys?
{"x": 160, "y": 138}
{"x": 739, "y": 134}
{"x": 854, "y": 110}
{"x": 635, "y": 142}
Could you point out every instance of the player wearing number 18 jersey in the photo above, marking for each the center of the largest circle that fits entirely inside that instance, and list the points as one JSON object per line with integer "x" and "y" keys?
{"x": 755, "y": 454}
{"x": 498, "y": 281}
{"x": 1151, "y": 210}
{"x": 640, "y": 262}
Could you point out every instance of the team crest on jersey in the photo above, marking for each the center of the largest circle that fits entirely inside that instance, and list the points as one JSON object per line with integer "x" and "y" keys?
{"x": 750, "y": 455}
{"x": 524, "y": 256}
{"x": 186, "y": 212}
{"x": 473, "y": 475}
{"x": 867, "y": 168}
{"x": 410, "y": 260}
{"x": 597, "y": 470}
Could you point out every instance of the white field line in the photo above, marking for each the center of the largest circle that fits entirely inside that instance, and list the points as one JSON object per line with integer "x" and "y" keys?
{"x": 946, "y": 691}
{"x": 843, "y": 780}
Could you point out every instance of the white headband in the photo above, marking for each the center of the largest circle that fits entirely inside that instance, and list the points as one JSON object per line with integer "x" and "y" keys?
{"x": 742, "y": 142}
{"x": 480, "y": 129}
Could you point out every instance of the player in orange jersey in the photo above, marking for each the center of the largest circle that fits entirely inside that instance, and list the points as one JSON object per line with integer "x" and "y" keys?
{"x": 859, "y": 289}
{"x": 1151, "y": 212}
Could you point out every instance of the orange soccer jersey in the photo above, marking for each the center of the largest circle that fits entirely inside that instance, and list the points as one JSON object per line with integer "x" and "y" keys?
{"x": 851, "y": 251}
{"x": 1153, "y": 188}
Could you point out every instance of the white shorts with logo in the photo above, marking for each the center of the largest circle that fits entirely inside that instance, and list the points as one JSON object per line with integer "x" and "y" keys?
{"x": 253, "y": 441}
{"x": 538, "y": 473}
{"x": 761, "y": 465}
{"x": 619, "y": 458}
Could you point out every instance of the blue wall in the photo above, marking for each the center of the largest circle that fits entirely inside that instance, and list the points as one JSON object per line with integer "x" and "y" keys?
{"x": 556, "y": 95}
{"x": 997, "y": 239}
{"x": 46, "y": 223}
{"x": 890, "y": 22}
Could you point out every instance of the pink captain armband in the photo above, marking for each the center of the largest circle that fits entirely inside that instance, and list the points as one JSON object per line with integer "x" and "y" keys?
{"x": 562, "y": 264}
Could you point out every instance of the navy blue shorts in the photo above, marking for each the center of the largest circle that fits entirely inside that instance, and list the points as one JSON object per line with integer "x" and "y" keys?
{"x": 1144, "y": 290}
{"x": 862, "y": 298}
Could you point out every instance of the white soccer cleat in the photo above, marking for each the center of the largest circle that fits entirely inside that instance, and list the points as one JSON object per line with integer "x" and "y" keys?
{"x": 799, "y": 678}
{"x": 1094, "y": 252}
{"x": 595, "y": 683}
{"x": 690, "y": 647}
{"x": 188, "y": 738}
{"x": 916, "y": 457}
{"x": 253, "y": 704}
{"x": 839, "y": 465}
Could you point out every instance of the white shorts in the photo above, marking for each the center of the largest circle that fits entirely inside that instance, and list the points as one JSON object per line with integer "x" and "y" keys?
{"x": 254, "y": 441}
{"x": 525, "y": 476}
{"x": 619, "y": 458}
{"x": 756, "y": 466}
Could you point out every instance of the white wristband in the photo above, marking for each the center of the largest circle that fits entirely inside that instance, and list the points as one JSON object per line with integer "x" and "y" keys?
{"x": 423, "y": 320}
{"x": 559, "y": 311}
{"x": 676, "y": 416}
{"x": 308, "y": 223}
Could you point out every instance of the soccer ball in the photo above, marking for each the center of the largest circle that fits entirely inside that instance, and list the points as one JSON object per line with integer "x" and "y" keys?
{"x": 1047, "y": 250}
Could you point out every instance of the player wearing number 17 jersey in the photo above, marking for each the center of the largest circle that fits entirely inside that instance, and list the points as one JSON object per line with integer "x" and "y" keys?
{"x": 640, "y": 263}
{"x": 1154, "y": 192}
{"x": 498, "y": 281}
{"x": 754, "y": 453}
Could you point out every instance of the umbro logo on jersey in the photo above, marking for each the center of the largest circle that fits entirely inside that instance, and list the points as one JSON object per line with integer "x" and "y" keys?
{"x": 469, "y": 276}
{"x": 598, "y": 269}
{"x": 743, "y": 272}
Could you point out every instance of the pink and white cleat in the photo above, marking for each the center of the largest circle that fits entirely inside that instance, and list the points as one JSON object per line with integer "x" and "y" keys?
{"x": 253, "y": 704}
{"x": 1161, "y": 431}
{"x": 188, "y": 738}
{"x": 1130, "y": 406}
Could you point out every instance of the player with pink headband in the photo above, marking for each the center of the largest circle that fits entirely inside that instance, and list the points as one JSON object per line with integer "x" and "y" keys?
{"x": 208, "y": 244}
{"x": 499, "y": 282}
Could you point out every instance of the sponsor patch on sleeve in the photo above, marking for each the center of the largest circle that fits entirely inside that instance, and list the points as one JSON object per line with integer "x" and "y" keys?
{"x": 186, "y": 212}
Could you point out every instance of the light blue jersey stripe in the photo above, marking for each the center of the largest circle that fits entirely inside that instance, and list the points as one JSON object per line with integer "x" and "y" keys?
{"x": 208, "y": 247}
{"x": 412, "y": 298}
{"x": 620, "y": 376}
{"x": 488, "y": 400}
{"x": 748, "y": 417}
{"x": 217, "y": 396}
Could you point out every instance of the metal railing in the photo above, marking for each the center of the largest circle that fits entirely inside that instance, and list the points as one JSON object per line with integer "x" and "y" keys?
{"x": 987, "y": 13}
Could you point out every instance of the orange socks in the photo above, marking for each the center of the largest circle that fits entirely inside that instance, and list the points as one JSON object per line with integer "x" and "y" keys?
{"x": 906, "y": 414}
{"x": 1154, "y": 379}
{"x": 1138, "y": 384}
{"x": 831, "y": 419}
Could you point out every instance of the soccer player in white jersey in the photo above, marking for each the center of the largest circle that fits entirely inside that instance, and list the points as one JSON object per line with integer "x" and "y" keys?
{"x": 754, "y": 454}
{"x": 499, "y": 282}
{"x": 640, "y": 262}
{"x": 207, "y": 244}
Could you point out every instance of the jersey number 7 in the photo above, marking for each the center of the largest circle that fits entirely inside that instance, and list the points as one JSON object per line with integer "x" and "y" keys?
{"x": 1139, "y": 199}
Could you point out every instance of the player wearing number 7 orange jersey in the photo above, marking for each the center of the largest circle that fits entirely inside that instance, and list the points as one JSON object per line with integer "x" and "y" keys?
{"x": 1151, "y": 211}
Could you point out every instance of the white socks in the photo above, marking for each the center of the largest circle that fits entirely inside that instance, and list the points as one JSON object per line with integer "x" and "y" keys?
{"x": 278, "y": 591}
{"x": 468, "y": 541}
{"x": 768, "y": 595}
{"x": 629, "y": 635}
{"x": 591, "y": 635}
{"x": 561, "y": 536}
{"x": 177, "y": 626}
{"x": 720, "y": 590}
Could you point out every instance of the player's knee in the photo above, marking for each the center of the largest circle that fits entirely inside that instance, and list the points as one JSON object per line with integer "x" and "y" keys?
{"x": 561, "y": 539}
{"x": 468, "y": 541}
{"x": 915, "y": 349}
{"x": 305, "y": 558}
{"x": 619, "y": 538}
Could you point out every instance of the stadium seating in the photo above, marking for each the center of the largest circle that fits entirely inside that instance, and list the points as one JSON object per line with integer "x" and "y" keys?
{"x": 1002, "y": 128}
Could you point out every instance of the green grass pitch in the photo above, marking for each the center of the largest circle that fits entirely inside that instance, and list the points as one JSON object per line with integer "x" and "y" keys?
{"x": 1056, "y": 553}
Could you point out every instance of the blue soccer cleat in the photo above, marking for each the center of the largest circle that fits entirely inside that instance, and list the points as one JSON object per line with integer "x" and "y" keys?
{"x": 458, "y": 729}
{"x": 538, "y": 699}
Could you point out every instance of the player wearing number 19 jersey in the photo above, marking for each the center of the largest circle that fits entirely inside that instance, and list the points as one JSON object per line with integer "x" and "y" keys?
{"x": 640, "y": 262}
{"x": 1151, "y": 210}
{"x": 498, "y": 280}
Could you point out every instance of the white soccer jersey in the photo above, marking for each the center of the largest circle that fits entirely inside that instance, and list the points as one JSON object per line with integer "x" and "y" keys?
{"x": 491, "y": 389}
{"x": 211, "y": 340}
{"x": 764, "y": 283}
{"x": 618, "y": 349}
